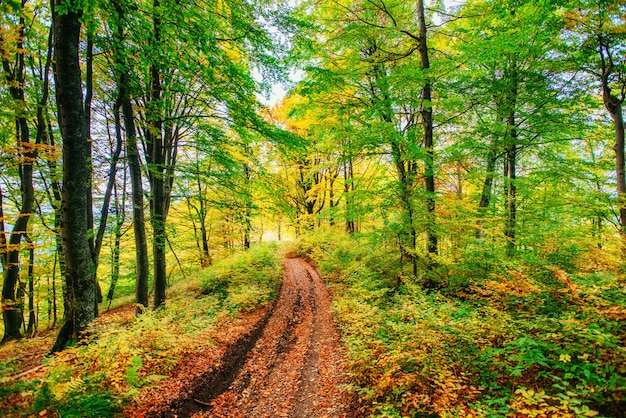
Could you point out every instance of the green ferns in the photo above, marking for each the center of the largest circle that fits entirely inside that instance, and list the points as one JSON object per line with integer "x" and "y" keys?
{"x": 508, "y": 342}
{"x": 127, "y": 354}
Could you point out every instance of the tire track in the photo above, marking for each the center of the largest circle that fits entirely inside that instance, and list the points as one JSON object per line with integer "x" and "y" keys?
{"x": 296, "y": 368}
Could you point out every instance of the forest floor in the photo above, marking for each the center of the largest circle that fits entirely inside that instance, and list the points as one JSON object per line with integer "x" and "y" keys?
{"x": 287, "y": 361}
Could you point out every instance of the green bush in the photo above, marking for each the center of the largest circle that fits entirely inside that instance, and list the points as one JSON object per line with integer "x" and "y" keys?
{"x": 495, "y": 338}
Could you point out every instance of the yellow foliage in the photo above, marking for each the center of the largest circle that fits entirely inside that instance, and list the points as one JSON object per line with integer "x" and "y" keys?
{"x": 517, "y": 284}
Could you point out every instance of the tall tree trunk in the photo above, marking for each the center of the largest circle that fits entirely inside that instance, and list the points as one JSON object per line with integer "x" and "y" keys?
{"x": 204, "y": 235}
{"x": 81, "y": 290}
{"x": 156, "y": 160}
{"x": 3, "y": 234}
{"x": 90, "y": 217}
{"x": 331, "y": 196}
{"x": 247, "y": 221}
{"x": 97, "y": 238}
{"x": 206, "y": 259}
{"x": 88, "y": 98}
{"x": 120, "y": 215}
{"x": 614, "y": 107}
{"x": 134, "y": 165}
{"x": 136, "y": 185}
{"x": 106, "y": 199}
{"x": 511, "y": 158}
{"x": 26, "y": 155}
{"x": 55, "y": 202}
{"x": 52, "y": 304}
{"x": 485, "y": 197}
{"x": 53, "y": 190}
{"x": 32, "y": 317}
{"x": 618, "y": 121}
{"x": 511, "y": 219}
{"x": 348, "y": 182}
{"x": 427, "y": 123}
{"x": 201, "y": 214}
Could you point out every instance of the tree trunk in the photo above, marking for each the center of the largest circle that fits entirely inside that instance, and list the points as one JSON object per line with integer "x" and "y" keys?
{"x": 3, "y": 235}
{"x": 348, "y": 188}
{"x": 81, "y": 289}
{"x": 120, "y": 217}
{"x": 201, "y": 213}
{"x": 156, "y": 159}
{"x": 511, "y": 159}
{"x": 427, "y": 123}
{"x": 136, "y": 184}
{"x": 331, "y": 196}
{"x": 614, "y": 106}
{"x": 132, "y": 154}
{"x": 32, "y": 317}
{"x": 247, "y": 221}
{"x": 485, "y": 197}
{"x": 111, "y": 189}
{"x": 204, "y": 237}
{"x": 618, "y": 121}
{"x": 26, "y": 155}
{"x": 90, "y": 222}
{"x": 106, "y": 199}
{"x": 157, "y": 204}
{"x": 60, "y": 255}
{"x": 511, "y": 219}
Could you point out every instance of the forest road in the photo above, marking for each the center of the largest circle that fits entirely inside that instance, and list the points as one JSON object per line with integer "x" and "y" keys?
{"x": 297, "y": 366}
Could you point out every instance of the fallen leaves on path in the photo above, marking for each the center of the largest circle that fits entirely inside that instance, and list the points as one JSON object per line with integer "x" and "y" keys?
{"x": 295, "y": 368}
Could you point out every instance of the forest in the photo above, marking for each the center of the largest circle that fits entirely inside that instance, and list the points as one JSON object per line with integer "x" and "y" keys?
{"x": 313, "y": 208}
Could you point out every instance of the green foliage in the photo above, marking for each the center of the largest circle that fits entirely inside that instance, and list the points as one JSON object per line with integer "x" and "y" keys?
{"x": 247, "y": 280}
{"x": 127, "y": 354}
{"x": 518, "y": 337}
{"x": 76, "y": 396}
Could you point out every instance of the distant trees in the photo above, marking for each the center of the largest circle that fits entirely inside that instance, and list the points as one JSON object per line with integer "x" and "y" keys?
{"x": 27, "y": 103}
{"x": 475, "y": 108}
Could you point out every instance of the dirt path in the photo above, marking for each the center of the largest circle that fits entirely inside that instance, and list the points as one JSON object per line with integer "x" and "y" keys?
{"x": 296, "y": 368}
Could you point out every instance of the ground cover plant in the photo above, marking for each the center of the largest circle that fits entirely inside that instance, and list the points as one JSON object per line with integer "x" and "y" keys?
{"x": 125, "y": 355}
{"x": 518, "y": 338}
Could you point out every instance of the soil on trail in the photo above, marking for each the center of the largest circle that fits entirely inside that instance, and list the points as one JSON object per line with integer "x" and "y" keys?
{"x": 293, "y": 364}
{"x": 296, "y": 368}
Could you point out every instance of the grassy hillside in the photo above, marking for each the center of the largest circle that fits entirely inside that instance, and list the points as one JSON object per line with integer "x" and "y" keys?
{"x": 127, "y": 355}
{"x": 479, "y": 336}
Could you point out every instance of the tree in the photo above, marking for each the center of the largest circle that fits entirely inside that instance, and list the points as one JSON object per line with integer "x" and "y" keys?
{"x": 600, "y": 39}
{"x": 427, "y": 124}
{"x": 13, "y": 51}
{"x": 123, "y": 79}
{"x": 81, "y": 291}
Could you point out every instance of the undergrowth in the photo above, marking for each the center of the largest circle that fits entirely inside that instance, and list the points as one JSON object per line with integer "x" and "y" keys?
{"x": 476, "y": 337}
{"x": 126, "y": 354}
